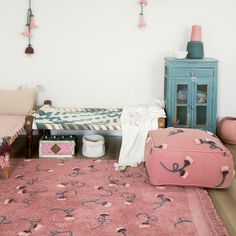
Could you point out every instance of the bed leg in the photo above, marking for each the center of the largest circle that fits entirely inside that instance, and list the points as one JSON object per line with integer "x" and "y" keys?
{"x": 161, "y": 122}
{"x": 47, "y": 132}
{"x": 29, "y": 135}
{"x": 29, "y": 144}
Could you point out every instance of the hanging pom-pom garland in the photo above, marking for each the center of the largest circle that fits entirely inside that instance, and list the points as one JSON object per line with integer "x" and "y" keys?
{"x": 30, "y": 25}
{"x": 142, "y": 23}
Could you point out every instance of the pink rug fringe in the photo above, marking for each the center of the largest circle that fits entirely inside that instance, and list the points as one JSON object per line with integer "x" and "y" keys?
{"x": 216, "y": 223}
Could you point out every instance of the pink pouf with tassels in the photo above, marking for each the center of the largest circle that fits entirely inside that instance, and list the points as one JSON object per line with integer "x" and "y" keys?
{"x": 187, "y": 157}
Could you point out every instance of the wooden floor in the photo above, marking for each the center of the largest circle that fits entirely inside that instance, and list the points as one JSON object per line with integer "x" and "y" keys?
{"x": 224, "y": 200}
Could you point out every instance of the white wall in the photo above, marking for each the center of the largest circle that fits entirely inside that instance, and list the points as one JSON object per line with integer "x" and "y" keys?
{"x": 91, "y": 53}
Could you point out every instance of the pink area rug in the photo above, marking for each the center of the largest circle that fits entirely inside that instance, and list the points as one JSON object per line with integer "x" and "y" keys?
{"x": 86, "y": 197}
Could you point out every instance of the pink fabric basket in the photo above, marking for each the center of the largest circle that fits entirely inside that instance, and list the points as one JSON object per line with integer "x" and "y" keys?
{"x": 187, "y": 157}
{"x": 226, "y": 130}
{"x": 57, "y": 148}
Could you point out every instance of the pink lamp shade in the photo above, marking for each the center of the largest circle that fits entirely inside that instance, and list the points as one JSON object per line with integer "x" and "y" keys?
{"x": 196, "y": 34}
{"x": 141, "y": 23}
{"x": 143, "y": 2}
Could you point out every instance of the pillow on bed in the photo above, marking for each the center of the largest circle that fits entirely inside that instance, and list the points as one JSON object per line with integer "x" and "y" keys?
{"x": 17, "y": 102}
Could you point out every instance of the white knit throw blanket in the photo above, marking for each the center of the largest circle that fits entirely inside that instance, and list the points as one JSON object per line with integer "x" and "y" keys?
{"x": 136, "y": 121}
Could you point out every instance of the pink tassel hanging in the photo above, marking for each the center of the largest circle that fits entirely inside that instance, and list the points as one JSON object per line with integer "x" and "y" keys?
{"x": 32, "y": 22}
{"x": 27, "y": 32}
{"x": 142, "y": 23}
{"x": 143, "y": 2}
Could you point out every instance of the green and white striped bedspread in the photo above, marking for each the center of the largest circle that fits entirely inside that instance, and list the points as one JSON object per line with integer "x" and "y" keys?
{"x": 48, "y": 117}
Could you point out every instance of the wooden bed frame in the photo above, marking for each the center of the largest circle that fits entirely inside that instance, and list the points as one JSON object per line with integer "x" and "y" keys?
{"x": 5, "y": 146}
{"x": 29, "y": 130}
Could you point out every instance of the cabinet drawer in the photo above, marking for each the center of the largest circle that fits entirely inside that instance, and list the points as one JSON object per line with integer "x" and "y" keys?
{"x": 192, "y": 72}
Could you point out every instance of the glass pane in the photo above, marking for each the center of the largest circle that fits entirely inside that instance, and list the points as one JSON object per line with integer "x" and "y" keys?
{"x": 182, "y": 93}
{"x": 201, "y": 93}
{"x": 181, "y": 115}
{"x": 201, "y": 118}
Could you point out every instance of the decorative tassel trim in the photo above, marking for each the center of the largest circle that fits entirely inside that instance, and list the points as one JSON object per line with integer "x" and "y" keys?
{"x": 216, "y": 225}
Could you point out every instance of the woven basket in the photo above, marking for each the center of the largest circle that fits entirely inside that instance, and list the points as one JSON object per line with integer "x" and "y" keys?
{"x": 93, "y": 146}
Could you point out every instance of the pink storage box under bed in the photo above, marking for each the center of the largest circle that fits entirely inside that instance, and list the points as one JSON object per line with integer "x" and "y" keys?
{"x": 57, "y": 146}
{"x": 187, "y": 157}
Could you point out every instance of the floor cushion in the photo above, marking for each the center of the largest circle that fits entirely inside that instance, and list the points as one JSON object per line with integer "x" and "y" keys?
{"x": 187, "y": 157}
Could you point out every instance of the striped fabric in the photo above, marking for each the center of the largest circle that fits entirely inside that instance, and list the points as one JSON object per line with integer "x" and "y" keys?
{"x": 15, "y": 135}
{"x": 11, "y": 126}
{"x": 48, "y": 117}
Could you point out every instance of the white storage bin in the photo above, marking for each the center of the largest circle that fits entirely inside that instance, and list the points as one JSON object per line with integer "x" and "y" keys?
{"x": 93, "y": 146}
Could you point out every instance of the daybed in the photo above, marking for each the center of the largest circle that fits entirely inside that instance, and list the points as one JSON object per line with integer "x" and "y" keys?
{"x": 14, "y": 105}
{"x": 49, "y": 118}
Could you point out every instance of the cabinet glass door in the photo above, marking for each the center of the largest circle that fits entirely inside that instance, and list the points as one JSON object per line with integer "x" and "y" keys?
{"x": 182, "y": 99}
{"x": 201, "y": 104}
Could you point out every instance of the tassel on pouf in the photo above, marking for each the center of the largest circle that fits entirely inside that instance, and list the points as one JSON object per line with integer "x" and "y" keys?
{"x": 142, "y": 23}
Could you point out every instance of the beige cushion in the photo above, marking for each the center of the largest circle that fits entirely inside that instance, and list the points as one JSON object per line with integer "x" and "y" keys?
{"x": 17, "y": 102}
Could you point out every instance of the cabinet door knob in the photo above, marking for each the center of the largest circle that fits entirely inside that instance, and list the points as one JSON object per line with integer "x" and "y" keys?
{"x": 192, "y": 73}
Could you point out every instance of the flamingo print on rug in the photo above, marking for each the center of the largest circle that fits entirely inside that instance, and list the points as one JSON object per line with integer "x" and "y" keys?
{"x": 75, "y": 197}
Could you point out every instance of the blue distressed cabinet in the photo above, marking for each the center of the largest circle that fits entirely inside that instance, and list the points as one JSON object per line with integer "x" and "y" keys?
{"x": 191, "y": 93}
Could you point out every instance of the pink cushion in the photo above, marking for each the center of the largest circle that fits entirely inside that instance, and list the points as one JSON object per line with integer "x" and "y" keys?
{"x": 187, "y": 157}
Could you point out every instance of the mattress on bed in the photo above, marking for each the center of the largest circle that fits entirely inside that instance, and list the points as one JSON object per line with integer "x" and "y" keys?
{"x": 49, "y": 117}
{"x": 10, "y": 127}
